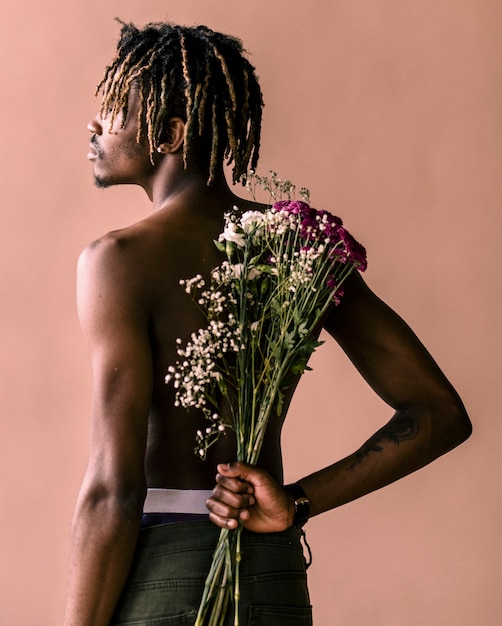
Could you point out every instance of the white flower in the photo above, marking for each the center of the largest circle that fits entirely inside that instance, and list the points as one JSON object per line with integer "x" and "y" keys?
{"x": 230, "y": 234}
{"x": 254, "y": 273}
{"x": 237, "y": 270}
{"x": 250, "y": 219}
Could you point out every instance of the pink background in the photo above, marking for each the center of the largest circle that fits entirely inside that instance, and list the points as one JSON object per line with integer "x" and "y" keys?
{"x": 391, "y": 112}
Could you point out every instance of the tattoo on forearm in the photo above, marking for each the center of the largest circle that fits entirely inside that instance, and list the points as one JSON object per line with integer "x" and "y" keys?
{"x": 399, "y": 429}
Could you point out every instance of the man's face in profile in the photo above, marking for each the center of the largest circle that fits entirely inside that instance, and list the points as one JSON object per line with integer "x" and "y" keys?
{"x": 117, "y": 155}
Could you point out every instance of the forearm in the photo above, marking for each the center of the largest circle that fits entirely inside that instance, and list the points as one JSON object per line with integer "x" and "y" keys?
{"x": 104, "y": 535}
{"x": 411, "y": 440}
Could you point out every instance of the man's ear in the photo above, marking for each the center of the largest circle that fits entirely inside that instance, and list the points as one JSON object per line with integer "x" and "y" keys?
{"x": 173, "y": 136}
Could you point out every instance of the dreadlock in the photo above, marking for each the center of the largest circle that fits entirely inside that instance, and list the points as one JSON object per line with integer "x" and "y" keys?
{"x": 194, "y": 73}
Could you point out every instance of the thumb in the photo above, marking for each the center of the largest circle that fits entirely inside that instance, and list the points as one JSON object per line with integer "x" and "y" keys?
{"x": 244, "y": 472}
{"x": 237, "y": 469}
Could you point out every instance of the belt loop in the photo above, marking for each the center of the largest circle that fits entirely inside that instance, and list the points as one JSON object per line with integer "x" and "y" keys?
{"x": 305, "y": 545}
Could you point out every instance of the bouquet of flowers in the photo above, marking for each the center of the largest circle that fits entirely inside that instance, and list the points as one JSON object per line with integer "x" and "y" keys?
{"x": 283, "y": 269}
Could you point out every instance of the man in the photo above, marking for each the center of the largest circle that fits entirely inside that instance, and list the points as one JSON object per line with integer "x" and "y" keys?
{"x": 176, "y": 102}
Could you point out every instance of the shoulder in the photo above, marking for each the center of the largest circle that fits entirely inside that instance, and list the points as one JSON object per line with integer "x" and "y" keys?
{"x": 124, "y": 256}
{"x": 111, "y": 275}
{"x": 110, "y": 251}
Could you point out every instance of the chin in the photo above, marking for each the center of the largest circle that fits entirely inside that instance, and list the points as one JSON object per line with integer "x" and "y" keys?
{"x": 101, "y": 183}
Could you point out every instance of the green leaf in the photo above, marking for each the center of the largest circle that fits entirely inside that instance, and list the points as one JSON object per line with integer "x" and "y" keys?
{"x": 229, "y": 248}
{"x": 298, "y": 367}
{"x": 302, "y": 329}
{"x": 280, "y": 401}
{"x": 220, "y": 245}
{"x": 222, "y": 386}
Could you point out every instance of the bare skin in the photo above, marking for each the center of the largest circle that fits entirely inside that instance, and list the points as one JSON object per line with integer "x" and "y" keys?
{"x": 132, "y": 309}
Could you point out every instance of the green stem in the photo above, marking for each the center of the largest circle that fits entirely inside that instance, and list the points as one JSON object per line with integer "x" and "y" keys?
{"x": 237, "y": 584}
{"x": 213, "y": 577}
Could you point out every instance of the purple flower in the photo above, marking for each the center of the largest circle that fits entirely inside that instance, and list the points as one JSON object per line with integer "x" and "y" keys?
{"x": 320, "y": 226}
{"x": 292, "y": 206}
{"x": 356, "y": 253}
{"x": 338, "y": 292}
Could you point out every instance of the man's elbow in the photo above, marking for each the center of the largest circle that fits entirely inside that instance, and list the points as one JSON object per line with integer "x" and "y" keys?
{"x": 456, "y": 425}
{"x": 112, "y": 500}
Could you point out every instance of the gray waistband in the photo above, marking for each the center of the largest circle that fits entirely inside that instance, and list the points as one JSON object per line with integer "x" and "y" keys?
{"x": 176, "y": 501}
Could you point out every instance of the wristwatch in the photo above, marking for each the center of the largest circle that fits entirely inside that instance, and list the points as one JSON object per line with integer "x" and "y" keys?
{"x": 302, "y": 504}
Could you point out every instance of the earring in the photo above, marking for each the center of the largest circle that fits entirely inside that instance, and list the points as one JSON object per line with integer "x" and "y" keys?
{"x": 160, "y": 149}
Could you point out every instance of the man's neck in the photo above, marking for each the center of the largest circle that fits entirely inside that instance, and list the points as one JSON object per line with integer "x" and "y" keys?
{"x": 190, "y": 189}
{"x": 173, "y": 185}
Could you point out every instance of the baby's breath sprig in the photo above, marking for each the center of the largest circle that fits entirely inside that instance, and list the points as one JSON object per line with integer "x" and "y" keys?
{"x": 277, "y": 188}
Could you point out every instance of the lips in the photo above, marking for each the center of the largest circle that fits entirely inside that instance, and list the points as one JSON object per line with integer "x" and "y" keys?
{"x": 94, "y": 149}
{"x": 92, "y": 154}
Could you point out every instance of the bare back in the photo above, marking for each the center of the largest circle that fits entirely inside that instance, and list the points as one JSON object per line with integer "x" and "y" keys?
{"x": 155, "y": 254}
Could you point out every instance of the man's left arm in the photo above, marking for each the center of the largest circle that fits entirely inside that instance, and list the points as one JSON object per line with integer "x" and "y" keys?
{"x": 108, "y": 512}
{"x": 429, "y": 420}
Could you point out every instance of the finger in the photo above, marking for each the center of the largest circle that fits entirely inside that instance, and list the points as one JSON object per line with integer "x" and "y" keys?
{"x": 225, "y": 503}
{"x": 223, "y": 522}
{"x": 235, "y": 469}
{"x": 243, "y": 471}
{"x": 235, "y": 501}
{"x": 235, "y": 485}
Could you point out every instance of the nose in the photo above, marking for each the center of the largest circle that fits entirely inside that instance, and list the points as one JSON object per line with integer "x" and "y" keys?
{"x": 94, "y": 126}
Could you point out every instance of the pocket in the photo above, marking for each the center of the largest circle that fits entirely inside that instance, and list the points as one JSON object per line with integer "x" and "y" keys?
{"x": 184, "y": 619}
{"x": 280, "y": 616}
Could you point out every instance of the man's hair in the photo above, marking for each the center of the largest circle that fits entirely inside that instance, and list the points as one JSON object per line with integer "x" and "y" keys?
{"x": 194, "y": 73}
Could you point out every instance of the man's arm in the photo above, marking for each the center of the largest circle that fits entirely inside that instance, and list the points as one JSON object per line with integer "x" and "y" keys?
{"x": 429, "y": 420}
{"x": 108, "y": 512}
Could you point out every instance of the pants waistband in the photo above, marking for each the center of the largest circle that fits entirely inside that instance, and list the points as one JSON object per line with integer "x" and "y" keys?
{"x": 192, "y": 501}
{"x": 157, "y": 519}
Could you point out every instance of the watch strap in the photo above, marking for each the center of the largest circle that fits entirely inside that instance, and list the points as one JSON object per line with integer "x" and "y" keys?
{"x": 302, "y": 504}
